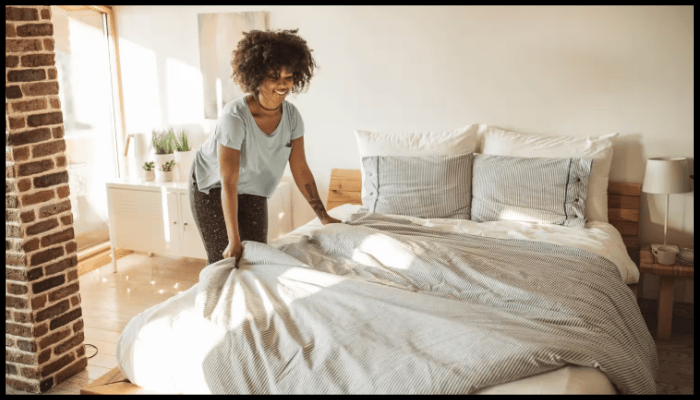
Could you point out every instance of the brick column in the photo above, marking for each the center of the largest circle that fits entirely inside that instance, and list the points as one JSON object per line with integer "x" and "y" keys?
{"x": 43, "y": 319}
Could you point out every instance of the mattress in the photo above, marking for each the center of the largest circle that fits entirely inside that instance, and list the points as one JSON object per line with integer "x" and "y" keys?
{"x": 167, "y": 348}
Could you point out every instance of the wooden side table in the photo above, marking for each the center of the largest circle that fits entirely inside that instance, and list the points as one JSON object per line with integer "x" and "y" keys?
{"x": 668, "y": 274}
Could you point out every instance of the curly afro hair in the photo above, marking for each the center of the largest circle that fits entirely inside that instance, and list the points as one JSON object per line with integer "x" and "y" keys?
{"x": 260, "y": 53}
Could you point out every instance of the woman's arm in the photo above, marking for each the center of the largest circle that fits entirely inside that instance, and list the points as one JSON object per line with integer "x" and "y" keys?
{"x": 229, "y": 162}
{"x": 305, "y": 181}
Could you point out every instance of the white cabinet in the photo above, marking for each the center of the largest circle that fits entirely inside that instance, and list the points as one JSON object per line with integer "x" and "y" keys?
{"x": 136, "y": 220}
{"x": 191, "y": 239}
{"x": 156, "y": 218}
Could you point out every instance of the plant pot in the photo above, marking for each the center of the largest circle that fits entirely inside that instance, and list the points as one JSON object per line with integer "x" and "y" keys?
{"x": 168, "y": 175}
{"x": 149, "y": 176}
{"x": 183, "y": 163}
{"x": 161, "y": 159}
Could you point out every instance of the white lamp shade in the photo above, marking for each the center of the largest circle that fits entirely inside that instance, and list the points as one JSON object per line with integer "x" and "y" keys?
{"x": 666, "y": 175}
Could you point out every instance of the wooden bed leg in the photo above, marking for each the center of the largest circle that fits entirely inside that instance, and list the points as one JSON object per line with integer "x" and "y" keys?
{"x": 665, "y": 315}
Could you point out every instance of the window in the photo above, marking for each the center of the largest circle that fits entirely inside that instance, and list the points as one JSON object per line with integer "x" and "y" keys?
{"x": 85, "y": 81}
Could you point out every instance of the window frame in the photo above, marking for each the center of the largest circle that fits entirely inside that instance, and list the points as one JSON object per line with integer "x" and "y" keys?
{"x": 116, "y": 80}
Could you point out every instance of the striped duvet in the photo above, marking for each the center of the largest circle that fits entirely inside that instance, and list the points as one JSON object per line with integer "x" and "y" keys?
{"x": 381, "y": 305}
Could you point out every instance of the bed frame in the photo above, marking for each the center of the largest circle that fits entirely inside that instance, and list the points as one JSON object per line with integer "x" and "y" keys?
{"x": 113, "y": 382}
{"x": 345, "y": 188}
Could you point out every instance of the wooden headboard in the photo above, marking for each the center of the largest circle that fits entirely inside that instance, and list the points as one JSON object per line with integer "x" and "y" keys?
{"x": 345, "y": 188}
{"x": 623, "y": 203}
{"x": 623, "y": 213}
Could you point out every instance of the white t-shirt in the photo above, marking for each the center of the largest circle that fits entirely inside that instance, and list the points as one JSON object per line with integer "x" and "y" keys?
{"x": 263, "y": 156}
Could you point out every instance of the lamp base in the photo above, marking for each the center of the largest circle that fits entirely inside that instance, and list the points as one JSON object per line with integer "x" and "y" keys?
{"x": 673, "y": 246}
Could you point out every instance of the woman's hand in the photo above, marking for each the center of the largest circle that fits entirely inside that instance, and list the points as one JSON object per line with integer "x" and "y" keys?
{"x": 233, "y": 250}
{"x": 330, "y": 220}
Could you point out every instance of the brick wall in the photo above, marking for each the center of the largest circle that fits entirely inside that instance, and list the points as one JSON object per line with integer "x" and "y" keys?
{"x": 43, "y": 319}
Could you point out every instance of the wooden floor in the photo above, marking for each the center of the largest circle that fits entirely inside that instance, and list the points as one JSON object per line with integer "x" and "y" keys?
{"x": 110, "y": 300}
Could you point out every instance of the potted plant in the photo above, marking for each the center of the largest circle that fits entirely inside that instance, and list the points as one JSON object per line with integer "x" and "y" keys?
{"x": 167, "y": 169}
{"x": 150, "y": 167}
{"x": 183, "y": 155}
{"x": 164, "y": 148}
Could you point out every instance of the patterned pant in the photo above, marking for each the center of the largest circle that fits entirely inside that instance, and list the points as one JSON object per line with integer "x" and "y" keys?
{"x": 209, "y": 216}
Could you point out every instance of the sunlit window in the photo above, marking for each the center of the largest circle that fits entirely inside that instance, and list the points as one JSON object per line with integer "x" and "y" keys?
{"x": 83, "y": 69}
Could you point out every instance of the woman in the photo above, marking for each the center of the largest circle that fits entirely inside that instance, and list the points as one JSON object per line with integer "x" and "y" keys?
{"x": 237, "y": 169}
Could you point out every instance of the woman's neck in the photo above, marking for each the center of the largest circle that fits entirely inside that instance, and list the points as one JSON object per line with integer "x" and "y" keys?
{"x": 266, "y": 108}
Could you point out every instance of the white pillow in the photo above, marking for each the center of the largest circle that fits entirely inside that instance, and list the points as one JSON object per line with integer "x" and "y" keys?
{"x": 458, "y": 141}
{"x": 496, "y": 141}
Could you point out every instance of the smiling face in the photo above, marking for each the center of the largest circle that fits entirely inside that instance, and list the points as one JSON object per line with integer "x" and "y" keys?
{"x": 275, "y": 88}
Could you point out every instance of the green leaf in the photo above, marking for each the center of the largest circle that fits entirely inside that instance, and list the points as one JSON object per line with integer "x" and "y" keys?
{"x": 168, "y": 166}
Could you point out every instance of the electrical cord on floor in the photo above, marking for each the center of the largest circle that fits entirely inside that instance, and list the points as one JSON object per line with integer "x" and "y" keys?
{"x": 87, "y": 344}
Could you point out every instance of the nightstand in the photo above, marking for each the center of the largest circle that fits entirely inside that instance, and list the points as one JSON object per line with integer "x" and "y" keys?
{"x": 668, "y": 274}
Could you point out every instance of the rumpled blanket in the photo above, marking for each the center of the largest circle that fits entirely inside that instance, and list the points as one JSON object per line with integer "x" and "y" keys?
{"x": 381, "y": 305}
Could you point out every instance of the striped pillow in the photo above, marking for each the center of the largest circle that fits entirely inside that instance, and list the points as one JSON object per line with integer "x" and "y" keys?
{"x": 420, "y": 186}
{"x": 550, "y": 190}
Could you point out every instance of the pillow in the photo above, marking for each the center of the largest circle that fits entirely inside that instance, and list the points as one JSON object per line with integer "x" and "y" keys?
{"x": 499, "y": 142}
{"x": 425, "y": 187}
{"x": 550, "y": 190}
{"x": 458, "y": 141}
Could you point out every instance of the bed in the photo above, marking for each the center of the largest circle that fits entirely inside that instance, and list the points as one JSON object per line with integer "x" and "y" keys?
{"x": 391, "y": 303}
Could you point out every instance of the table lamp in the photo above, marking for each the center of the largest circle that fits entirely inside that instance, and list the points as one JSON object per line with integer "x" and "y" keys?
{"x": 665, "y": 175}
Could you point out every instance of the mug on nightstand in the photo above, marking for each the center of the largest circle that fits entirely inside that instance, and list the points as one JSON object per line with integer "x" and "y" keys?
{"x": 665, "y": 255}
{"x": 686, "y": 255}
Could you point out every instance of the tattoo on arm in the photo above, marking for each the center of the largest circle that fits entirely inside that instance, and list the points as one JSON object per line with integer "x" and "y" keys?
{"x": 314, "y": 200}
{"x": 309, "y": 189}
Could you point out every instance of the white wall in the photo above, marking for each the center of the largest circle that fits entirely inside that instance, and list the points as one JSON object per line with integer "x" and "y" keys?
{"x": 545, "y": 70}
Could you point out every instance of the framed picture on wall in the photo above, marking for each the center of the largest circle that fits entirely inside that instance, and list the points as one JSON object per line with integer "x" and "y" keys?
{"x": 219, "y": 33}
